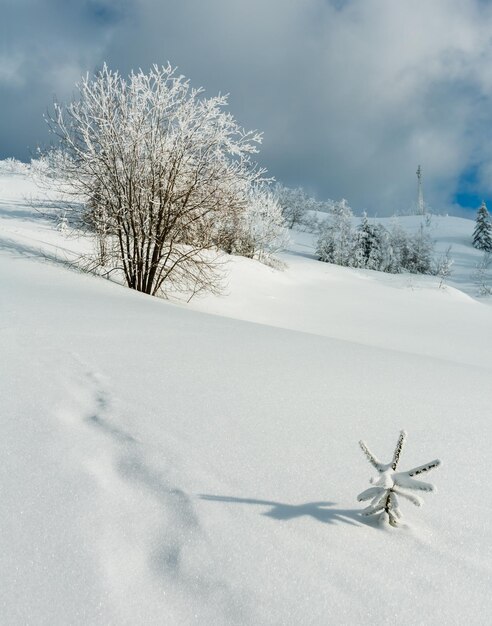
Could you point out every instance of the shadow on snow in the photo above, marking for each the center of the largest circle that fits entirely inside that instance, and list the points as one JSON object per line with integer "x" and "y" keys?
{"x": 320, "y": 511}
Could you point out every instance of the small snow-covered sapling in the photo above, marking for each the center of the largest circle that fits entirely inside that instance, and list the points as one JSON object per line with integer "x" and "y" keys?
{"x": 391, "y": 484}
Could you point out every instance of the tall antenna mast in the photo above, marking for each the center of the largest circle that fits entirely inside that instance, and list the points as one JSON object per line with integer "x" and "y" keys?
{"x": 420, "y": 201}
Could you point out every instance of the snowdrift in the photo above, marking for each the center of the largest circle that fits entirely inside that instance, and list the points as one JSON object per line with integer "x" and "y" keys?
{"x": 163, "y": 465}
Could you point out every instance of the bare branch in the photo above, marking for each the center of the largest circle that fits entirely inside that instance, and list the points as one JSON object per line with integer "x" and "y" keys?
{"x": 398, "y": 449}
{"x": 371, "y": 458}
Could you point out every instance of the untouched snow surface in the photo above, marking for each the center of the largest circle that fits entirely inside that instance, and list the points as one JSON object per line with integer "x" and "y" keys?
{"x": 161, "y": 465}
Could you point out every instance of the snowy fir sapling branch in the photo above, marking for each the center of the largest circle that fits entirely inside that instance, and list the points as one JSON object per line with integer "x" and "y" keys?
{"x": 391, "y": 484}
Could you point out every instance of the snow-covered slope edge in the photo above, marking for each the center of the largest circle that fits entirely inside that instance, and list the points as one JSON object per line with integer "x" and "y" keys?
{"x": 163, "y": 462}
{"x": 161, "y": 465}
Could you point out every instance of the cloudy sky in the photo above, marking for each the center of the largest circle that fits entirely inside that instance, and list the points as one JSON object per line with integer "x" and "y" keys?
{"x": 351, "y": 94}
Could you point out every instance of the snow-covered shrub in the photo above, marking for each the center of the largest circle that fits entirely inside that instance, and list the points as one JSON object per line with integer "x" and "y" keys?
{"x": 443, "y": 266}
{"x": 258, "y": 231}
{"x": 299, "y": 209}
{"x": 157, "y": 165}
{"x": 482, "y": 276}
{"x": 419, "y": 257}
{"x": 371, "y": 246}
{"x": 294, "y": 204}
{"x": 391, "y": 484}
{"x": 398, "y": 248}
{"x": 262, "y": 225}
{"x": 411, "y": 253}
{"x": 49, "y": 164}
{"x": 336, "y": 243}
{"x": 13, "y": 166}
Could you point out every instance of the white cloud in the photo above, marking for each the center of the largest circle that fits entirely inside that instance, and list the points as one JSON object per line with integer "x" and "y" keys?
{"x": 10, "y": 70}
{"x": 352, "y": 95}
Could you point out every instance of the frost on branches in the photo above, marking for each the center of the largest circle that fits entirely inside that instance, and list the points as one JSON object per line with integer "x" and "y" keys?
{"x": 258, "y": 232}
{"x": 158, "y": 167}
{"x": 392, "y": 484}
{"x": 336, "y": 241}
{"x": 372, "y": 246}
{"x": 299, "y": 209}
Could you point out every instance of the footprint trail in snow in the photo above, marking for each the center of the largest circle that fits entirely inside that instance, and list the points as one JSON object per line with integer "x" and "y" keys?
{"x": 145, "y": 530}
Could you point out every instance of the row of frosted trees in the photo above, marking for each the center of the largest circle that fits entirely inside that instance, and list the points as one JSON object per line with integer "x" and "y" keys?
{"x": 370, "y": 245}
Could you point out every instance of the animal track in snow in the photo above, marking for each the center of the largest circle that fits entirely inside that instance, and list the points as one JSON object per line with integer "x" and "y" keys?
{"x": 98, "y": 418}
{"x": 148, "y": 532}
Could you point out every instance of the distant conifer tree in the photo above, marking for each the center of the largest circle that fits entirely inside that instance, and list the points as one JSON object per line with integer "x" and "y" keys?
{"x": 482, "y": 235}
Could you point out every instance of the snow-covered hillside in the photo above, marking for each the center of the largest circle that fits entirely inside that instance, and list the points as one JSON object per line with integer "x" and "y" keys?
{"x": 162, "y": 465}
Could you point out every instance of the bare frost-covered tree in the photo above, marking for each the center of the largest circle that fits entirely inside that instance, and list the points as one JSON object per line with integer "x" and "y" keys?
{"x": 336, "y": 241}
{"x": 263, "y": 224}
{"x": 295, "y": 204}
{"x": 259, "y": 230}
{"x": 482, "y": 276}
{"x": 157, "y": 166}
{"x": 300, "y": 209}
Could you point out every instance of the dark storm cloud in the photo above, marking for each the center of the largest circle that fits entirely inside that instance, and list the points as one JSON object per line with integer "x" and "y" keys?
{"x": 352, "y": 94}
{"x": 45, "y": 46}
